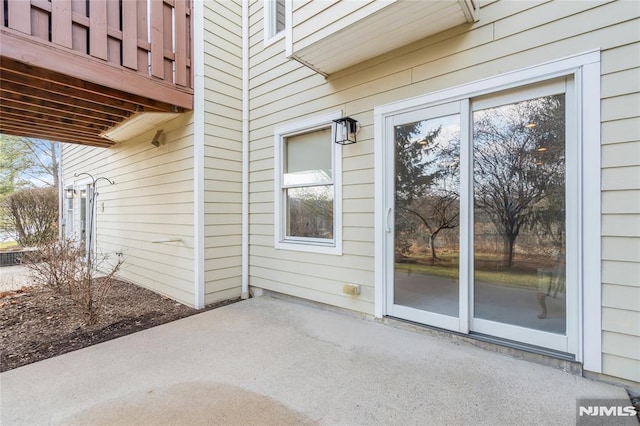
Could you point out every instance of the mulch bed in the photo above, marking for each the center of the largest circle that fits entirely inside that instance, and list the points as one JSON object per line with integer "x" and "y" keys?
{"x": 36, "y": 323}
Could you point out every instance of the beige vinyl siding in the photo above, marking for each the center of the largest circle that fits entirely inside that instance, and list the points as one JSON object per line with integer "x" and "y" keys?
{"x": 621, "y": 211}
{"x": 152, "y": 199}
{"x": 223, "y": 150}
{"x": 508, "y": 36}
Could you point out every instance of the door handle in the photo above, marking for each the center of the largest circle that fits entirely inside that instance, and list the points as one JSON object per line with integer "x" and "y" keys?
{"x": 387, "y": 224}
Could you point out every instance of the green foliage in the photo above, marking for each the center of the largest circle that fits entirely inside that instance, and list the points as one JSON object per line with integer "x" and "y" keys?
{"x": 9, "y": 245}
{"x": 24, "y": 163}
{"x": 14, "y": 159}
{"x": 27, "y": 163}
{"x": 423, "y": 166}
{"x": 32, "y": 215}
{"x": 413, "y": 164}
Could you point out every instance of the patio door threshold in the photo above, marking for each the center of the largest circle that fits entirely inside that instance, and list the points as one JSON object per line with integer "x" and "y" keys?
{"x": 545, "y": 356}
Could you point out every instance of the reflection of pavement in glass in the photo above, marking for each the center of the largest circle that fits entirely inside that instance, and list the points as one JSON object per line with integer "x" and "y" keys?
{"x": 509, "y": 305}
{"x": 519, "y": 306}
{"x": 427, "y": 292}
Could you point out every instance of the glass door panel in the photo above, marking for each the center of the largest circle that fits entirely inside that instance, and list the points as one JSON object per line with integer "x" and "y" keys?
{"x": 82, "y": 210}
{"x": 519, "y": 214}
{"x": 426, "y": 215}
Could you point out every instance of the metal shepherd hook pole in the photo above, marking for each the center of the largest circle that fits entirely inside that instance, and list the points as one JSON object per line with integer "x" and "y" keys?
{"x": 92, "y": 208}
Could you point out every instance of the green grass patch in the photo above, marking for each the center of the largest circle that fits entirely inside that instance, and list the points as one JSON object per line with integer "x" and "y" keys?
{"x": 437, "y": 270}
{"x": 8, "y": 245}
{"x": 512, "y": 279}
{"x": 447, "y": 267}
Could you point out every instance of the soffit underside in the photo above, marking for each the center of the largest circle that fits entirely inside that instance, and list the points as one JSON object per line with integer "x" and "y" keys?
{"x": 40, "y": 103}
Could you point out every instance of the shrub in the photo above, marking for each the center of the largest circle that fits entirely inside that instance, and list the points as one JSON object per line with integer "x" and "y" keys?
{"x": 32, "y": 215}
{"x": 63, "y": 266}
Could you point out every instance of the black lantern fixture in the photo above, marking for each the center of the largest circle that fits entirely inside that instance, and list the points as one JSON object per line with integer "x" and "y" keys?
{"x": 346, "y": 129}
{"x": 69, "y": 193}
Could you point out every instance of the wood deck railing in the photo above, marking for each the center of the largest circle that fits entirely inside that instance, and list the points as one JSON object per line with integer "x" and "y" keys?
{"x": 71, "y": 70}
{"x": 151, "y": 37}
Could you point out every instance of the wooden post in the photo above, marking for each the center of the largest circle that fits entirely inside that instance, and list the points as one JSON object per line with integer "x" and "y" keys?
{"x": 157, "y": 38}
{"x": 40, "y": 23}
{"x": 20, "y": 15}
{"x": 61, "y": 23}
{"x": 144, "y": 64}
{"x": 114, "y": 44}
{"x": 129, "y": 34}
{"x": 98, "y": 29}
{"x": 79, "y": 32}
{"x": 181, "y": 42}
{"x": 167, "y": 40}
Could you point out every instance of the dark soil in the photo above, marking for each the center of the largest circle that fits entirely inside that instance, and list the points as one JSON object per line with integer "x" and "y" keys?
{"x": 36, "y": 323}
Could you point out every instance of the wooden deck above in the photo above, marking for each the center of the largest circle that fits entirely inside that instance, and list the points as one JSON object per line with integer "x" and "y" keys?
{"x": 70, "y": 70}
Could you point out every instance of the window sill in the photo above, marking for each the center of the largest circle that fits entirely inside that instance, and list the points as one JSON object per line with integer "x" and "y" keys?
{"x": 334, "y": 249}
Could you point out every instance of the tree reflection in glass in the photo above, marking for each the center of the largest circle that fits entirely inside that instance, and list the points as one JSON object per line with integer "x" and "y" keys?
{"x": 427, "y": 214}
{"x": 310, "y": 212}
{"x": 519, "y": 203}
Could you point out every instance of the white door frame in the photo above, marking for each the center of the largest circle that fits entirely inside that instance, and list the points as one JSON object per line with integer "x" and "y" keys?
{"x": 78, "y": 186}
{"x": 586, "y": 71}
{"x": 413, "y": 314}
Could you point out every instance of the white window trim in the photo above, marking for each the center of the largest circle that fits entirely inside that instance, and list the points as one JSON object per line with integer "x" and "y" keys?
{"x": 586, "y": 69}
{"x": 307, "y": 244}
{"x": 199, "y": 288}
{"x": 270, "y": 34}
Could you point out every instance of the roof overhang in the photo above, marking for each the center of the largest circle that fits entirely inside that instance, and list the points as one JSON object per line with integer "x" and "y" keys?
{"x": 393, "y": 26}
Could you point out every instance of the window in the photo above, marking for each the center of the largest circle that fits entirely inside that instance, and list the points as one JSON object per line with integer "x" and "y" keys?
{"x": 274, "y": 19}
{"x": 307, "y": 190}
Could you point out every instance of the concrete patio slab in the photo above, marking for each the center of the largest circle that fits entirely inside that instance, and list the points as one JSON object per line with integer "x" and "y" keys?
{"x": 271, "y": 361}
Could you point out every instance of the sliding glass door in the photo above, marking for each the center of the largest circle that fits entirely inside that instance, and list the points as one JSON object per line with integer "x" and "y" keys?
{"x": 519, "y": 211}
{"x": 426, "y": 145}
{"x": 481, "y": 190}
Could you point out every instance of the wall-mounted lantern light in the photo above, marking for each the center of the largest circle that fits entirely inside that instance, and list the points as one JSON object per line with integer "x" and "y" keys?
{"x": 69, "y": 193}
{"x": 346, "y": 129}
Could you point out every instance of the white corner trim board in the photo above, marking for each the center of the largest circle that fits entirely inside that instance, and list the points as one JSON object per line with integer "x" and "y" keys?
{"x": 245, "y": 152}
{"x": 198, "y": 154}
